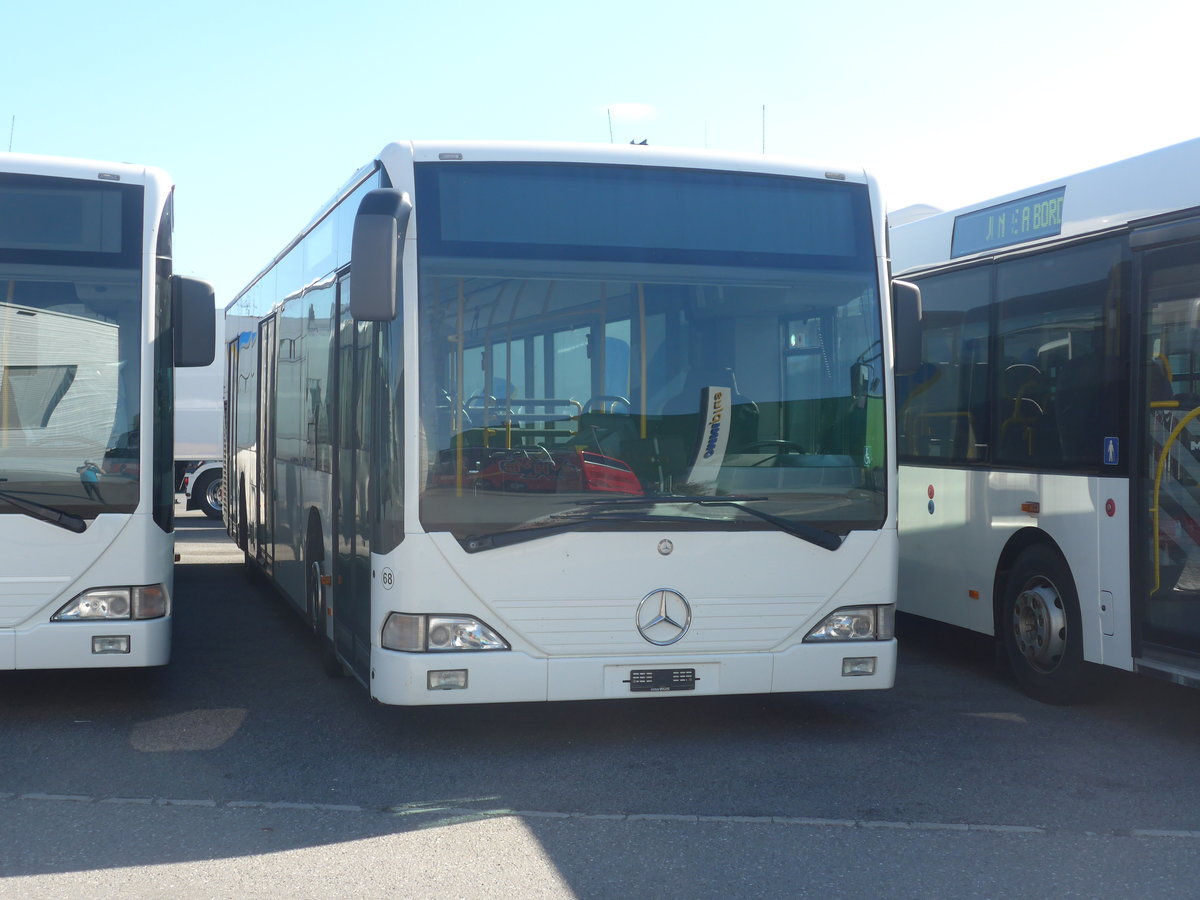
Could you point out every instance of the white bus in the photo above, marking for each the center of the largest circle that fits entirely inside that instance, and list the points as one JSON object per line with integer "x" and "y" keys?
{"x": 1049, "y": 442}
{"x": 551, "y": 422}
{"x": 91, "y": 324}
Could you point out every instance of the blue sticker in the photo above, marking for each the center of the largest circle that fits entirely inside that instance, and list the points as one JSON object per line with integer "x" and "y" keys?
{"x": 931, "y": 507}
{"x": 1112, "y": 451}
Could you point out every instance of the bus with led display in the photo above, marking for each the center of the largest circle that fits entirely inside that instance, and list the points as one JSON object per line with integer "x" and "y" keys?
{"x": 1050, "y": 439}
{"x": 514, "y": 422}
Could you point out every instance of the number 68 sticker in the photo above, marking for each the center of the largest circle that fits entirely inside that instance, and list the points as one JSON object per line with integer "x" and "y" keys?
{"x": 387, "y": 578}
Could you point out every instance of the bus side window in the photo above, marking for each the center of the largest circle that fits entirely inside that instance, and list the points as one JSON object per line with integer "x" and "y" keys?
{"x": 944, "y": 410}
{"x": 1052, "y": 322}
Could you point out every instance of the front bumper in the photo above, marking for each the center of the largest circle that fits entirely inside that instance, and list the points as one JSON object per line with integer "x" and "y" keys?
{"x": 510, "y": 676}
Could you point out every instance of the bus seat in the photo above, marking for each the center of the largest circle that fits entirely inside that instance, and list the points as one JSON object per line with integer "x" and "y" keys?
{"x": 1023, "y": 387}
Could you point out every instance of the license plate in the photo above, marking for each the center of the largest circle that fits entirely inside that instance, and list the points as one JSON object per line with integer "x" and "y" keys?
{"x": 662, "y": 680}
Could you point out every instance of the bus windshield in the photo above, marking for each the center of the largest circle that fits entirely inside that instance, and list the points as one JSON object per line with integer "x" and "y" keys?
{"x": 695, "y": 336}
{"x": 70, "y": 337}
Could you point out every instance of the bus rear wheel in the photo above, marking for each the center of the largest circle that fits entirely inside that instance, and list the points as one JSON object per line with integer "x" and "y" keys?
{"x": 1042, "y": 630}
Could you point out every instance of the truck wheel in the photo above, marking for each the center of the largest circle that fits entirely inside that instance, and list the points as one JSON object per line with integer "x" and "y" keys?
{"x": 208, "y": 490}
{"x": 1042, "y": 629}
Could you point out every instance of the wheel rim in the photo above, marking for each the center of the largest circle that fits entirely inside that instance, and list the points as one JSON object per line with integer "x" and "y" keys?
{"x": 212, "y": 494}
{"x": 1040, "y": 625}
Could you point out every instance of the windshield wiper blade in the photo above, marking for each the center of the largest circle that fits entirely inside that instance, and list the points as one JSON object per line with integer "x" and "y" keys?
{"x": 479, "y": 542}
{"x": 827, "y": 540}
{"x": 45, "y": 513}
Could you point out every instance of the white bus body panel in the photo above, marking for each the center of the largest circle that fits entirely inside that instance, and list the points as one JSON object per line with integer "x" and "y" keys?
{"x": 125, "y": 550}
{"x": 783, "y": 588}
{"x": 954, "y": 541}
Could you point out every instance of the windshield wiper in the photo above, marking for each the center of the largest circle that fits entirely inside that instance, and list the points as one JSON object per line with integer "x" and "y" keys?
{"x": 478, "y": 542}
{"x": 49, "y": 514}
{"x": 827, "y": 540}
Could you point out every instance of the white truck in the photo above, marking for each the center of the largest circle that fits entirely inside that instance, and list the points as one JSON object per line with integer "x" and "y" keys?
{"x": 198, "y": 436}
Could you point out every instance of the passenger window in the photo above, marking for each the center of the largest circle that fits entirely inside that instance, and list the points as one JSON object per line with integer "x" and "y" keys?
{"x": 943, "y": 406}
{"x": 1057, "y": 396}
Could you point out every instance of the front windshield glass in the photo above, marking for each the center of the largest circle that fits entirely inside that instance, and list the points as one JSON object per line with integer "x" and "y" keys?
{"x": 70, "y": 326}
{"x": 649, "y": 338}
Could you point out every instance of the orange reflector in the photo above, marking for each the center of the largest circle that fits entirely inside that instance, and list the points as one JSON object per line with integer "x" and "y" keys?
{"x": 327, "y": 580}
{"x": 974, "y": 595}
{"x": 1031, "y": 507}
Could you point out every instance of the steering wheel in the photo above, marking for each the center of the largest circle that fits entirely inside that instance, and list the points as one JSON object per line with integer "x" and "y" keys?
{"x": 611, "y": 401}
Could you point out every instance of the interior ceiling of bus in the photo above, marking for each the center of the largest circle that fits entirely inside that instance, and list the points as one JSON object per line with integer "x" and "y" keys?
{"x": 486, "y": 302}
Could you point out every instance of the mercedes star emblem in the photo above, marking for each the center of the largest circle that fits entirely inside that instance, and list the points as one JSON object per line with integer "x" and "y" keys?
{"x": 663, "y": 617}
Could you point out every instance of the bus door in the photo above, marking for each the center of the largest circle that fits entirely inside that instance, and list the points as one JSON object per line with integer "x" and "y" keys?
{"x": 264, "y": 515}
{"x": 232, "y": 494}
{"x": 352, "y": 481}
{"x": 1166, "y": 596}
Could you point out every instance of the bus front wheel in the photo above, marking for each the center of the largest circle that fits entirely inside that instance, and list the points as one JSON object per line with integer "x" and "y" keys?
{"x": 316, "y": 608}
{"x": 1042, "y": 629}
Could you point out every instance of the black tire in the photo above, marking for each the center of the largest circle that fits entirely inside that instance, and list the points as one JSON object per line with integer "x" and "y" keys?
{"x": 1042, "y": 630}
{"x": 314, "y": 597}
{"x": 206, "y": 494}
{"x": 316, "y": 607}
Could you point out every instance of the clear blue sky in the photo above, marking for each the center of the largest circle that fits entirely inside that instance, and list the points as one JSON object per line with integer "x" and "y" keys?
{"x": 260, "y": 110}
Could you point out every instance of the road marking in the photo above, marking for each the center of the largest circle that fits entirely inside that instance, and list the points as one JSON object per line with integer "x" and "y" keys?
{"x": 461, "y": 813}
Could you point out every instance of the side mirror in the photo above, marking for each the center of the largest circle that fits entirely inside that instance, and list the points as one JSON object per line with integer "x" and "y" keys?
{"x": 193, "y": 321}
{"x": 906, "y": 322}
{"x": 376, "y": 253}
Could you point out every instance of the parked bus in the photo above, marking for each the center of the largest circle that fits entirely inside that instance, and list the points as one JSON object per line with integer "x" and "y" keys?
{"x": 513, "y": 422}
{"x": 1049, "y": 442}
{"x": 92, "y": 323}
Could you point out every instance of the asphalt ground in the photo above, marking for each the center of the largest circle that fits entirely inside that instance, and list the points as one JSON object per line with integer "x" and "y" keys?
{"x": 242, "y": 769}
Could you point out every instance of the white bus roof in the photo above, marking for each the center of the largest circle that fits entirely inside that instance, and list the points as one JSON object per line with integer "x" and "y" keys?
{"x": 1110, "y": 196}
{"x": 619, "y": 154}
{"x": 87, "y": 169}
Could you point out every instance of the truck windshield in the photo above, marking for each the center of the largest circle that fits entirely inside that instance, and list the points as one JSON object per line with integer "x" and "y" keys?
{"x": 610, "y": 331}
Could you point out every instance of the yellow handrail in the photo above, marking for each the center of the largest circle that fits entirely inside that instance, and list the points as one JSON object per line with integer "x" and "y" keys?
{"x": 1158, "y": 474}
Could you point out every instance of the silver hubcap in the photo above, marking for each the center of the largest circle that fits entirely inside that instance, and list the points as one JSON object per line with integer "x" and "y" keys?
{"x": 212, "y": 494}
{"x": 1040, "y": 625}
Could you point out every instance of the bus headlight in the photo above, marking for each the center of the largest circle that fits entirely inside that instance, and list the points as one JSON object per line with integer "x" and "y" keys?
{"x": 149, "y": 601}
{"x": 420, "y": 634}
{"x": 856, "y": 623}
